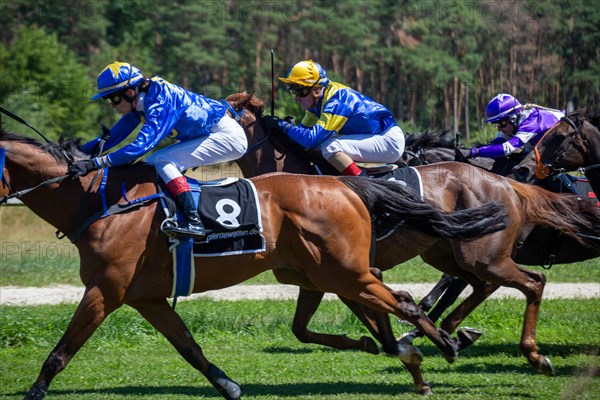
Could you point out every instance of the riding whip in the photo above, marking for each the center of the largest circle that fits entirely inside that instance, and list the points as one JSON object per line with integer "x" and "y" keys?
{"x": 272, "y": 83}
{"x": 21, "y": 120}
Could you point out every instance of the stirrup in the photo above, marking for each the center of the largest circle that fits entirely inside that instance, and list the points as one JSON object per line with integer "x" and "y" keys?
{"x": 181, "y": 231}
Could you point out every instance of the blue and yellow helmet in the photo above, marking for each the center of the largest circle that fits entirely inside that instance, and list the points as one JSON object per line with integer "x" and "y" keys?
{"x": 306, "y": 73}
{"x": 116, "y": 77}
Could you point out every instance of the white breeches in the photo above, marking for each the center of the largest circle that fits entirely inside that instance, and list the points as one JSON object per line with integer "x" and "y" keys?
{"x": 227, "y": 142}
{"x": 384, "y": 148}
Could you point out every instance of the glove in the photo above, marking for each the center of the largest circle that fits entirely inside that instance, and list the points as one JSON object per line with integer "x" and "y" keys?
{"x": 474, "y": 152}
{"x": 81, "y": 168}
{"x": 271, "y": 122}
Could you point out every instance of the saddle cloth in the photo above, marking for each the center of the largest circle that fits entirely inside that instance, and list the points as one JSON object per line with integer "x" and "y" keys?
{"x": 230, "y": 212}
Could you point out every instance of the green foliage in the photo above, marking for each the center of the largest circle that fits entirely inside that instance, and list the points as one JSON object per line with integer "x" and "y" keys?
{"x": 409, "y": 55}
{"x": 44, "y": 83}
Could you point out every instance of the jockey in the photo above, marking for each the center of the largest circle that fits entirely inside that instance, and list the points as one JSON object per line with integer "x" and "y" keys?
{"x": 519, "y": 128}
{"x": 205, "y": 133}
{"x": 346, "y": 125}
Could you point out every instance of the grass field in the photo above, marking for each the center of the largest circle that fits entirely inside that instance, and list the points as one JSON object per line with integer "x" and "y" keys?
{"x": 31, "y": 255}
{"x": 251, "y": 341}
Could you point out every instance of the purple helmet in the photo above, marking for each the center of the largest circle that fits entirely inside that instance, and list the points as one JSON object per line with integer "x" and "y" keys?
{"x": 117, "y": 76}
{"x": 502, "y": 106}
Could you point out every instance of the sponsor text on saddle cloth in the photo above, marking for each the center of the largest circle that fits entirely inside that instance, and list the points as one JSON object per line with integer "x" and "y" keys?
{"x": 230, "y": 212}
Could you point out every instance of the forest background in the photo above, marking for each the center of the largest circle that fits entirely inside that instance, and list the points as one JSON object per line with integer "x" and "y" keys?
{"x": 434, "y": 64}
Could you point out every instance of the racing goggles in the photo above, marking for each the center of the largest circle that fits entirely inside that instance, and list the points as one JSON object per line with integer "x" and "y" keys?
{"x": 114, "y": 98}
{"x": 301, "y": 91}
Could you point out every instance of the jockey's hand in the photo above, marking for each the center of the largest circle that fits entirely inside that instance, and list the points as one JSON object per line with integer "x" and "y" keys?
{"x": 271, "y": 122}
{"x": 81, "y": 168}
{"x": 290, "y": 119}
{"x": 473, "y": 153}
{"x": 461, "y": 154}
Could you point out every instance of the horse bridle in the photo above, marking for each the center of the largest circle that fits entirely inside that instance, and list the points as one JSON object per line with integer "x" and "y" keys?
{"x": 543, "y": 171}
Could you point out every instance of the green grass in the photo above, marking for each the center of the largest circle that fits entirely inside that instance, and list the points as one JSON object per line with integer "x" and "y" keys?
{"x": 251, "y": 341}
{"x": 30, "y": 255}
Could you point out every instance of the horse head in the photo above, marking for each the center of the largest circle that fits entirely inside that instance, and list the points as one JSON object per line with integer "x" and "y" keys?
{"x": 572, "y": 143}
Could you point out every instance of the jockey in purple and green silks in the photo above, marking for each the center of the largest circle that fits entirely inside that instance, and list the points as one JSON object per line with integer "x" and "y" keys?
{"x": 346, "y": 125}
{"x": 518, "y": 129}
{"x": 206, "y": 134}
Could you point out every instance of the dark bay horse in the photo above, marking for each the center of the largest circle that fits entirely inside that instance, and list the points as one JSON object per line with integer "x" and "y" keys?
{"x": 485, "y": 263}
{"x": 571, "y": 144}
{"x": 317, "y": 230}
{"x": 542, "y": 247}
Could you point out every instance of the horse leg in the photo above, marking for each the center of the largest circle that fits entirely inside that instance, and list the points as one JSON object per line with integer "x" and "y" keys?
{"x": 434, "y": 294}
{"x": 306, "y": 306}
{"x": 162, "y": 317}
{"x": 91, "y": 311}
{"x": 454, "y": 288}
{"x": 531, "y": 284}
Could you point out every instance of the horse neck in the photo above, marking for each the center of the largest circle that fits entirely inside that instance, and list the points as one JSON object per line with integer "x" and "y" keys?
{"x": 593, "y": 137}
{"x": 263, "y": 158}
{"x": 28, "y": 167}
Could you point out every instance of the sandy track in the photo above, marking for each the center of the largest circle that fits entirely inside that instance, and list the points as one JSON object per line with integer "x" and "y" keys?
{"x": 20, "y": 296}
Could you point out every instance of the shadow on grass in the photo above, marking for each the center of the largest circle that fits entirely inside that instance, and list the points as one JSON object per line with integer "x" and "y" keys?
{"x": 260, "y": 389}
{"x": 477, "y": 350}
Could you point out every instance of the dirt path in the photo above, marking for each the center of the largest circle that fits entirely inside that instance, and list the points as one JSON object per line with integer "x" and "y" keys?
{"x": 19, "y": 296}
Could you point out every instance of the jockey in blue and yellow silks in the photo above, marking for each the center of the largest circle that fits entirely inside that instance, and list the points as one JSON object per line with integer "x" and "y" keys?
{"x": 346, "y": 125}
{"x": 206, "y": 134}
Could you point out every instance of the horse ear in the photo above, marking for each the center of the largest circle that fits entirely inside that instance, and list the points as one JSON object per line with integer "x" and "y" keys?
{"x": 570, "y": 106}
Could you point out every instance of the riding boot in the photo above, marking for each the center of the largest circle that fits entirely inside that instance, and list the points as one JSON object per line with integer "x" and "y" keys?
{"x": 191, "y": 226}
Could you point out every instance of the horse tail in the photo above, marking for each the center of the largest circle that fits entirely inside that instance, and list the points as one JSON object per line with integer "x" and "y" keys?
{"x": 390, "y": 200}
{"x": 560, "y": 211}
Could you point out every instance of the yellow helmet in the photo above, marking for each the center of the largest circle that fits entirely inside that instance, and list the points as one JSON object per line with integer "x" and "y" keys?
{"x": 306, "y": 73}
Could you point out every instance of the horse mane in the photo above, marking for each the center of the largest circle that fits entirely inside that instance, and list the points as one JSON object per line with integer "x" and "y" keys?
{"x": 59, "y": 151}
{"x": 247, "y": 100}
{"x": 427, "y": 139}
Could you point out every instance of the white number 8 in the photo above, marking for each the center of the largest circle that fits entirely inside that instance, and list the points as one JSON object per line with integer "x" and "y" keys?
{"x": 228, "y": 219}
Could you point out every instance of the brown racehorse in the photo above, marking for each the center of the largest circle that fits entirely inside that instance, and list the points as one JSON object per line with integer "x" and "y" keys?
{"x": 542, "y": 247}
{"x": 318, "y": 231}
{"x": 485, "y": 263}
{"x": 571, "y": 144}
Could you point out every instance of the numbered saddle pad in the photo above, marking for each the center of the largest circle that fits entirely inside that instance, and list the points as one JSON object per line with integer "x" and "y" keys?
{"x": 230, "y": 213}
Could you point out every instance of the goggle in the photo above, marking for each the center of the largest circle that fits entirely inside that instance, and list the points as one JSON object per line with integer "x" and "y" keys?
{"x": 113, "y": 98}
{"x": 502, "y": 124}
{"x": 301, "y": 91}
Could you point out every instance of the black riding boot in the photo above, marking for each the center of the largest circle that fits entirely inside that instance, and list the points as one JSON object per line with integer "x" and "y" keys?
{"x": 191, "y": 226}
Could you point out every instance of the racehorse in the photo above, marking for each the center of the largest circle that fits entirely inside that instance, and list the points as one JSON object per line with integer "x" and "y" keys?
{"x": 574, "y": 142}
{"x": 485, "y": 263}
{"x": 542, "y": 247}
{"x": 317, "y": 230}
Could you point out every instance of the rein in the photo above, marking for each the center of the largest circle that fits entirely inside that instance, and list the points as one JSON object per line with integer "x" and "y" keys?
{"x": 20, "y": 193}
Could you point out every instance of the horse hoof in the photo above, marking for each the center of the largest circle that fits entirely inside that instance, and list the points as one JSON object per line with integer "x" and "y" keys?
{"x": 406, "y": 338}
{"x": 369, "y": 345}
{"x": 409, "y": 354}
{"x": 424, "y": 389}
{"x": 467, "y": 336}
{"x": 546, "y": 367}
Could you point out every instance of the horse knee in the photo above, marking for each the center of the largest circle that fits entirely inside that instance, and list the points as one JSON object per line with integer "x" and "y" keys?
{"x": 300, "y": 332}
{"x": 406, "y": 304}
{"x": 376, "y": 272}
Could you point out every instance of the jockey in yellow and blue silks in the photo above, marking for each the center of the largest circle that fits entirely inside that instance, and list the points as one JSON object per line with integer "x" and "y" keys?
{"x": 346, "y": 125}
{"x": 206, "y": 134}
